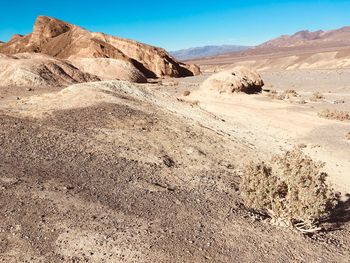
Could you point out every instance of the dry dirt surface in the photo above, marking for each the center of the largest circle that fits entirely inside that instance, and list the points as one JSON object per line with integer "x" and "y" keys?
{"x": 118, "y": 172}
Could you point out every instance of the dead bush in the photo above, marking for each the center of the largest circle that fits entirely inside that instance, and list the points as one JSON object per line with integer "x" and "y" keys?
{"x": 171, "y": 83}
{"x": 290, "y": 93}
{"x": 316, "y": 96}
{"x": 334, "y": 115}
{"x": 273, "y": 94}
{"x": 299, "y": 101}
{"x": 186, "y": 93}
{"x": 292, "y": 191}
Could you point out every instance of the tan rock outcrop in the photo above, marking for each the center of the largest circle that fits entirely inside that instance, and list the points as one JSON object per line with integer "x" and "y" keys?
{"x": 239, "y": 79}
{"x": 66, "y": 41}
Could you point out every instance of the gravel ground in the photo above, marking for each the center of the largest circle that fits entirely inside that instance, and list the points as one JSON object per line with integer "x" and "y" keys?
{"x": 131, "y": 181}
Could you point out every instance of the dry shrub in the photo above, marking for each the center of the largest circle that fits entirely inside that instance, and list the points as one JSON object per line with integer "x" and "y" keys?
{"x": 186, "y": 93}
{"x": 194, "y": 103}
{"x": 316, "y": 96}
{"x": 292, "y": 191}
{"x": 334, "y": 115}
{"x": 299, "y": 101}
{"x": 348, "y": 136}
{"x": 273, "y": 94}
{"x": 171, "y": 83}
{"x": 288, "y": 94}
{"x": 291, "y": 93}
{"x": 302, "y": 145}
{"x": 338, "y": 101}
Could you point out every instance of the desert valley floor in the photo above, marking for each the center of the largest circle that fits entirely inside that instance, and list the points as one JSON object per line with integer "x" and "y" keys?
{"x": 118, "y": 172}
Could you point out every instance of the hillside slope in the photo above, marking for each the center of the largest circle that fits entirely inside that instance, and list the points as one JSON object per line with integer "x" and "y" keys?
{"x": 66, "y": 41}
{"x": 302, "y": 50}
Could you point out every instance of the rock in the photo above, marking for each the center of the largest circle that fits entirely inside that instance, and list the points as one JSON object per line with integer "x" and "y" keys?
{"x": 239, "y": 79}
{"x": 66, "y": 41}
{"x": 36, "y": 70}
{"x": 15, "y": 36}
{"x": 109, "y": 69}
{"x": 168, "y": 161}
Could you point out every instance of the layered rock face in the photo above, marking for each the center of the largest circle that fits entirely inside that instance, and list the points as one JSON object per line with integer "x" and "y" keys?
{"x": 66, "y": 41}
{"x": 109, "y": 69}
{"x": 36, "y": 70}
{"x": 239, "y": 79}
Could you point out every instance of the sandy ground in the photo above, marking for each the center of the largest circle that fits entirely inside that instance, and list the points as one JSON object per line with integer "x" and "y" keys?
{"x": 273, "y": 126}
{"x": 125, "y": 173}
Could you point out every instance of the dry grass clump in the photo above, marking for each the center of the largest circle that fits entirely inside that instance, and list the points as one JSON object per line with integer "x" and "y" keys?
{"x": 292, "y": 191}
{"x": 171, "y": 83}
{"x": 289, "y": 95}
{"x": 273, "y": 94}
{"x": 334, "y": 115}
{"x": 186, "y": 93}
{"x": 317, "y": 96}
{"x": 299, "y": 101}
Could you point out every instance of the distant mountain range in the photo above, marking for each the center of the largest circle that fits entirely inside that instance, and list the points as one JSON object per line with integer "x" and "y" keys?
{"x": 206, "y": 51}
{"x": 304, "y": 49}
{"x": 320, "y": 38}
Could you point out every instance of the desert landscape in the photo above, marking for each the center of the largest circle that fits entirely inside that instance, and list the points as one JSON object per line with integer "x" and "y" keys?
{"x": 115, "y": 151}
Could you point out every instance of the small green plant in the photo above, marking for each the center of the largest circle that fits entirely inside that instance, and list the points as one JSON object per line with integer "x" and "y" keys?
{"x": 292, "y": 191}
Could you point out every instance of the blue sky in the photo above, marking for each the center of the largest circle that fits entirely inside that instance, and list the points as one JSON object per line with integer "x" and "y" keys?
{"x": 181, "y": 24}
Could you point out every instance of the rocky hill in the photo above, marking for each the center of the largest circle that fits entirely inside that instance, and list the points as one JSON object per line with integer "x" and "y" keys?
{"x": 332, "y": 38}
{"x": 206, "y": 51}
{"x": 302, "y": 50}
{"x": 62, "y": 40}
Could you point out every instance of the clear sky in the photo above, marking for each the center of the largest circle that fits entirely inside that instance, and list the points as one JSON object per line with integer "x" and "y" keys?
{"x": 180, "y": 24}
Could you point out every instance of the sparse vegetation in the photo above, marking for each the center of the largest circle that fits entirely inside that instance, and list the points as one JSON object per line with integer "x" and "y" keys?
{"x": 171, "y": 83}
{"x": 292, "y": 191}
{"x": 273, "y": 94}
{"x": 334, "y": 115}
{"x": 316, "y": 96}
{"x": 194, "y": 103}
{"x": 186, "y": 93}
{"x": 302, "y": 145}
{"x": 289, "y": 95}
{"x": 338, "y": 101}
{"x": 300, "y": 101}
